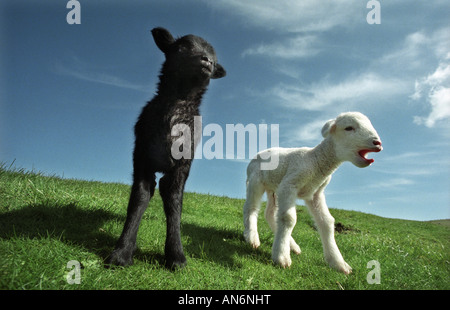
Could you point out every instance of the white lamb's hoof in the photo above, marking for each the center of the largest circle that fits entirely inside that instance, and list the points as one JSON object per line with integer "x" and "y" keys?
{"x": 346, "y": 269}
{"x": 295, "y": 247}
{"x": 282, "y": 260}
{"x": 252, "y": 237}
{"x": 342, "y": 267}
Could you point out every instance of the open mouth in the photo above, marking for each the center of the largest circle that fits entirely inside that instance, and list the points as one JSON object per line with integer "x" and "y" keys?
{"x": 363, "y": 154}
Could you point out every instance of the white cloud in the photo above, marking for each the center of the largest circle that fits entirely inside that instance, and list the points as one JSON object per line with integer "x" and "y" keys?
{"x": 359, "y": 90}
{"x": 427, "y": 161}
{"x": 392, "y": 183}
{"x": 413, "y": 59}
{"x": 410, "y": 52}
{"x": 292, "y": 15}
{"x": 417, "y": 49}
{"x": 407, "y": 156}
{"x": 78, "y": 69}
{"x": 436, "y": 87}
{"x": 298, "y": 47}
{"x": 309, "y": 133}
{"x": 327, "y": 100}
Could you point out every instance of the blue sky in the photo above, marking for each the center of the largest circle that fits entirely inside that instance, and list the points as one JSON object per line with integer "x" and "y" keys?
{"x": 70, "y": 94}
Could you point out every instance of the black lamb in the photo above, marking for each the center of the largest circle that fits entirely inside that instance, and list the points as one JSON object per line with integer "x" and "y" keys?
{"x": 190, "y": 64}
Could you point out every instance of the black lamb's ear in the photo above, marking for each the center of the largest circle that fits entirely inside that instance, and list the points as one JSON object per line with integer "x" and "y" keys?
{"x": 219, "y": 72}
{"x": 163, "y": 38}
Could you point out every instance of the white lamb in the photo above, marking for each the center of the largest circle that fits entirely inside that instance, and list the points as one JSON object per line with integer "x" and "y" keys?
{"x": 304, "y": 173}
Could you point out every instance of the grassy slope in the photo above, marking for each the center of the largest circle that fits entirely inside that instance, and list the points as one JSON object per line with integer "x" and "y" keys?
{"x": 45, "y": 222}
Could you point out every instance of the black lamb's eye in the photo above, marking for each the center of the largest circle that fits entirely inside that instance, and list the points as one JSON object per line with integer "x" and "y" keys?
{"x": 349, "y": 128}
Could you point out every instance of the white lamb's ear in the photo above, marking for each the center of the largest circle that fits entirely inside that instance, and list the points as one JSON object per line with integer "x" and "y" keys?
{"x": 328, "y": 127}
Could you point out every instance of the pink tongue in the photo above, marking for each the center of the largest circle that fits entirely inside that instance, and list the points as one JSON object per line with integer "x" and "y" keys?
{"x": 363, "y": 155}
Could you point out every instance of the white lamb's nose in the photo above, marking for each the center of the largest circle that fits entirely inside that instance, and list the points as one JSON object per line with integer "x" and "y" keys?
{"x": 377, "y": 142}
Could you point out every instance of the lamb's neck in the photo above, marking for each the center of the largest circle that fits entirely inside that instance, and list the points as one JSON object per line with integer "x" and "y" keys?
{"x": 325, "y": 158}
{"x": 179, "y": 89}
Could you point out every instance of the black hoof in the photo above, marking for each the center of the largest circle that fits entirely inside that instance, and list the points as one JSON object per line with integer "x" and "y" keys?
{"x": 120, "y": 258}
{"x": 173, "y": 263}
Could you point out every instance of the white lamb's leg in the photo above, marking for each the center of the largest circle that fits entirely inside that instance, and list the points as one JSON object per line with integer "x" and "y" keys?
{"x": 286, "y": 220}
{"x": 252, "y": 205}
{"x": 325, "y": 225}
{"x": 270, "y": 212}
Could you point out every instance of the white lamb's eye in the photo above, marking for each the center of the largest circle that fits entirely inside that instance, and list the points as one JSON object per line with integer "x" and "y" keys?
{"x": 349, "y": 128}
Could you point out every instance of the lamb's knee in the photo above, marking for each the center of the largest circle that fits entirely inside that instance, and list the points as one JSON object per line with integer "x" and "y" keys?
{"x": 288, "y": 218}
{"x": 326, "y": 223}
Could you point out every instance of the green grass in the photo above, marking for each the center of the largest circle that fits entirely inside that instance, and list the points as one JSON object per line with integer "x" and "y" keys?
{"x": 45, "y": 222}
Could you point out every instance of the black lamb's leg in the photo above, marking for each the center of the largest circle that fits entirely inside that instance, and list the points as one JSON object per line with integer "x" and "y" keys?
{"x": 171, "y": 188}
{"x": 141, "y": 193}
